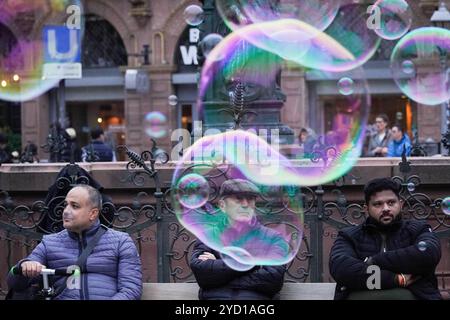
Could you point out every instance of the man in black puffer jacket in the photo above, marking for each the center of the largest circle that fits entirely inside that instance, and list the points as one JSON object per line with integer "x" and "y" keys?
{"x": 238, "y": 227}
{"x": 385, "y": 252}
{"x": 218, "y": 281}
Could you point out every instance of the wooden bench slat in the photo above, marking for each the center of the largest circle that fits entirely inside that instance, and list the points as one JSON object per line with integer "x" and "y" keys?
{"x": 189, "y": 291}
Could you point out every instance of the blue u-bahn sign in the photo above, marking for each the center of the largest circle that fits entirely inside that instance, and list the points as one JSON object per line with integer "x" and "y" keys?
{"x": 62, "y": 52}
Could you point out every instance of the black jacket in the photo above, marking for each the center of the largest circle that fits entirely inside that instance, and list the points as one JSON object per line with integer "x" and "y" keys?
{"x": 217, "y": 281}
{"x": 102, "y": 151}
{"x": 401, "y": 241}
{"x": 5, "y": 155}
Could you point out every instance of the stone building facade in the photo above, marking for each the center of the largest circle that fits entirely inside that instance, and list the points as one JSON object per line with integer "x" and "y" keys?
{"x": 101, "y": 97}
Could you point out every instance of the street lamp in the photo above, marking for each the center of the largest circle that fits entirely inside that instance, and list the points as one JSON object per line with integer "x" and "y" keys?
{"x": 145, "y": 53}
{"x": 441, "y": 18}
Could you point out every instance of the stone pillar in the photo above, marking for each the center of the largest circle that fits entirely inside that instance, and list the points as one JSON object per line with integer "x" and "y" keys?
{"x": 295, "y": 111}
{"x": 137, "y": 105}
{"x": 35, "y": 123}
{"x": 160, "y": 90}
{"x": 429, "y": 118}
{"x": 133, "y": 126}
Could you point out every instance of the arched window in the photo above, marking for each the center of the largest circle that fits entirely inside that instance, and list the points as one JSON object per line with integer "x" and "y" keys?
{"x": 102, "y": 45}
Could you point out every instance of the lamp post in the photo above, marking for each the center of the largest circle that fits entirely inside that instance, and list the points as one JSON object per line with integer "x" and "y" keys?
{"x": 145, "y": 53}
{"x": 441, "y": 18}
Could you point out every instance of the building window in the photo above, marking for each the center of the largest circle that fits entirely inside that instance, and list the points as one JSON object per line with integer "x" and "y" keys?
{"x": 102, "y": 45}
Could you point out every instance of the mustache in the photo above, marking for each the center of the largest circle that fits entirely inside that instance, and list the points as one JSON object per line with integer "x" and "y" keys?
{"x": 67, "y": 216}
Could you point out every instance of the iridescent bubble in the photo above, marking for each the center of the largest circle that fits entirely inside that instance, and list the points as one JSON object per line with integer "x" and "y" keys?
{"x": 427, "y": 48}
{"x": 238, "y": 13}
{"x": 26, "y": 71}
{"x": 408, "y": 67}
{"x": 446, "y": 206}
{"x": 333, "y": 149}
{"x": 193, "y": 15}
{"x": 155, "y": 124}
{"x": 192, "y": 191}
{"x": 346, "y": 44}
{"x": 173, "y": 100}
{"x": 345, "y": 86}
{"x": 232, "y": 256}
{"x": 422, "y": 246}
{"x": 209, "y": 42}
{"x": 411, "y": 187}
{"x": 235, "y": 219}
{"x": 395, "y": 18}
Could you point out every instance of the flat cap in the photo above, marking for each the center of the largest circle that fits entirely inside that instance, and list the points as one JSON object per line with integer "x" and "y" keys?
{"x": 238, "y": 187}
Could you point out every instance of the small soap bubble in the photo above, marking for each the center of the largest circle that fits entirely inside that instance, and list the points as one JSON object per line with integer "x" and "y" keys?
{"x": 422, "y": 246}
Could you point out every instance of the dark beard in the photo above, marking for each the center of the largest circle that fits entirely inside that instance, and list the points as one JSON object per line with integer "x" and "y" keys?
{"x": 392, "y": 226}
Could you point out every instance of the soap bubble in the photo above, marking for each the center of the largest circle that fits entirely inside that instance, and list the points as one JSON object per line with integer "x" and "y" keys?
{"x": 193, "y": 15}
{"x": 173, "y": 100}
{"x": 193, "y": 191}
{"x": 232, "y": 257}
{"x": 244, "y": 216}
{"x": 345, "y": 86}
{"x": 240, "y": 13}
{"x": 209, "y": 42}
{"x": 345, "y": 45}
{"x": 334, "y": 148}
{"x": 446, "y": 206}
{"x": 425, "y": 78}
{"x": 422, "y": 245}
{"x": 396, "y": 18}
{"x": 155, "y": 124}
{"x": 408, "y": 67}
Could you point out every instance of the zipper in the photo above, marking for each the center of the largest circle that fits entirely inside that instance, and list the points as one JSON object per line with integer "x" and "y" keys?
{"x": 383, "y": 242}
{"x": 82, "y": 275}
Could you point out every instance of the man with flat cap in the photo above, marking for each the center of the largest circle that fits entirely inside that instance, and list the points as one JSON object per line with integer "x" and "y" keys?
{"x": 236, "y": 226}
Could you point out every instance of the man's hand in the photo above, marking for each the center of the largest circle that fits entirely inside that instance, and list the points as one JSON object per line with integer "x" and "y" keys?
{"x": 410, "y": 279}
{"x": 31, "y": 269}
{"x": 206, "y": 256}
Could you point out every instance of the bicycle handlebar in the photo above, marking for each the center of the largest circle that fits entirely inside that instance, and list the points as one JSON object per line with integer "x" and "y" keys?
{"x": 57, "y": 272}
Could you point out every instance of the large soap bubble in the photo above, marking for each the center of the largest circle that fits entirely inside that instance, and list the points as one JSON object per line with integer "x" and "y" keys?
{"x": 420, "y": 65}
{"x": 24, "y": 73}
{"x": 336, "y": 146}
{"x": 248, "y": 218}
{"x": 345, "y": 45}
{"x": 238, "y": 13}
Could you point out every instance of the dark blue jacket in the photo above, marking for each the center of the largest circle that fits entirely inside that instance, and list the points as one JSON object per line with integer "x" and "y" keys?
{"x": 101, "y": 150}
{"x": 217, "y": 281}
{"x": 401, "y": 240}
{"x": 113, "y": 267}
{"x": 395, "y": 148}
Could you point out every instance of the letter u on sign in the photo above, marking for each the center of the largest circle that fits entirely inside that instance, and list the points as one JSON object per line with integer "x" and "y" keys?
{"x": 61, "y": 44}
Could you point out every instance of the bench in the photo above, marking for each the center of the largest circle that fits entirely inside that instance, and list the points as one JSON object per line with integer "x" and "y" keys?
{"x": 189, "y": 291}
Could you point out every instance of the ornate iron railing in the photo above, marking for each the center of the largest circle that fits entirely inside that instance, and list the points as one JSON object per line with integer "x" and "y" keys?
{"x": 165, "y": 245}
